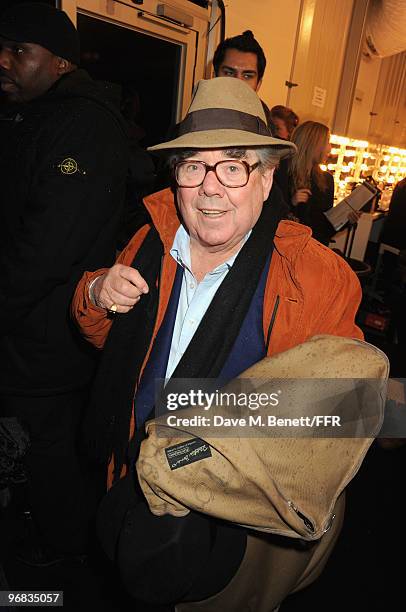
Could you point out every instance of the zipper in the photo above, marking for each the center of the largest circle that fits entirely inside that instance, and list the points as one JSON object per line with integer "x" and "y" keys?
{"x": 307, "y": 522}
{"x": 271, "y": 324}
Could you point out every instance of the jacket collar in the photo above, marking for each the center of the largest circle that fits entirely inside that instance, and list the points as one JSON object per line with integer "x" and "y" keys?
{"x": 161, "y": 207}
{"x": 290, "y": 238}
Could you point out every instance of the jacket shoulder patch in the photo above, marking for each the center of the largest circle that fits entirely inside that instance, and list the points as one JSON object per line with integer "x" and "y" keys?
{"x": 68, "y": 166}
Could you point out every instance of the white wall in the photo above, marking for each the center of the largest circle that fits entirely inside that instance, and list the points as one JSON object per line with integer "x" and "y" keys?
{"x": 319, "y": 29}
{"x": 364, "y": 98}
{"x": 319, "y": 59}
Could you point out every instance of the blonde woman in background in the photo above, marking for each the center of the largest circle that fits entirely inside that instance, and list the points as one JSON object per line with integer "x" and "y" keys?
{"x": 312, "y": 190}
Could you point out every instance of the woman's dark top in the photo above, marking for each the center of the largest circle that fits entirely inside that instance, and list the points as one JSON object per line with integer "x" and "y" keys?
{"x": 311, "y": 212}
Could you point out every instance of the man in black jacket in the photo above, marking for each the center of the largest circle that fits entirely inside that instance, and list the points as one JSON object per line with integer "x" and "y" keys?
{"x": 64, "y": 158}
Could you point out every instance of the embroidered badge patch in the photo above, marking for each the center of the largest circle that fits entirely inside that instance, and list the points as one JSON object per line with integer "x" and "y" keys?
{"x": 186, "y": 453}
{"x": 68, "y": 166}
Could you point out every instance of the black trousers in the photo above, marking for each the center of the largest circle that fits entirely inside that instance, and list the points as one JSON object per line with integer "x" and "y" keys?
{"x": 63, "y": 488}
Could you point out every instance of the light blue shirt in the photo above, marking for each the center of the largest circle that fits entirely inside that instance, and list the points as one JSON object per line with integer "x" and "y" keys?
{"x": 194, "y": 298}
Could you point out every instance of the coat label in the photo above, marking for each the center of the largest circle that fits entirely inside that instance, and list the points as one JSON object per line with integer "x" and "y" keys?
{"x": 187, "y": 452}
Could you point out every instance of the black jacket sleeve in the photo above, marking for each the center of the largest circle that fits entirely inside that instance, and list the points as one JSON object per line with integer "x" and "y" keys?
{"x": 77, "y": 189}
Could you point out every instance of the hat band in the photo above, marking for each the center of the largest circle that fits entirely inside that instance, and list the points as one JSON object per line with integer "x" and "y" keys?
{"x": 222, "y": 119}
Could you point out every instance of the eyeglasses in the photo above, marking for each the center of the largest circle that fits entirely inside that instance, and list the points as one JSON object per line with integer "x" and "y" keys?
{"x": 229, "y": 172}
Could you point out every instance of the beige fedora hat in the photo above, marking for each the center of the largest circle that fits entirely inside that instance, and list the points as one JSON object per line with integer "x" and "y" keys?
{"x": 225, "y": 112}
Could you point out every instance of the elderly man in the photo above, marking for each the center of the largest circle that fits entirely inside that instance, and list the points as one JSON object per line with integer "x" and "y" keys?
{"x": 216, "y": 281}
{"x": 63, "y": 171}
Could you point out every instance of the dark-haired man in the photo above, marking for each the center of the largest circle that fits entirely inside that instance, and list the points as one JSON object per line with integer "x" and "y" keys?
{"x": 64, "y": 157}
{"x": 241, "y": 57}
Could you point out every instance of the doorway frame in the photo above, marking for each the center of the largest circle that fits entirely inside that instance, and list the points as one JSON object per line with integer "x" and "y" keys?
{"x": 144, "y": 19}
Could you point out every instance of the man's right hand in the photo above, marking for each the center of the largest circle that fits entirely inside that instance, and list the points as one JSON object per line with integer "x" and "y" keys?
{"x": 301, "y": 196}
{"x": 121, "y": 286}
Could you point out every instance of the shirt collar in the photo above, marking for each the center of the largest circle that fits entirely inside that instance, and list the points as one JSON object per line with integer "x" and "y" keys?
{"x": 180, "y": 251}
